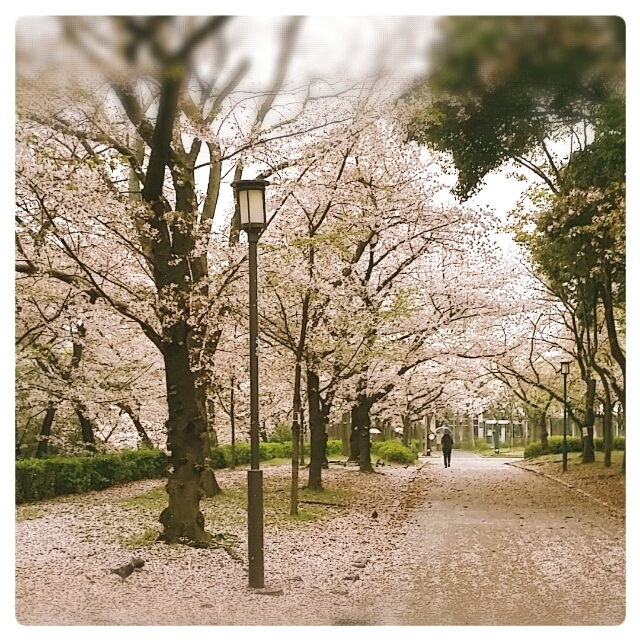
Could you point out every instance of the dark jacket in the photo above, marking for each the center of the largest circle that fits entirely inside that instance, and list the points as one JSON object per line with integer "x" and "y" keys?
{"x": 446, "y": 442}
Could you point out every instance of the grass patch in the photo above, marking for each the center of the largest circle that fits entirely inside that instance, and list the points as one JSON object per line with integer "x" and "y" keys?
{"x": 605, "y": 483}
{"x": 506, "y": 452}
{"x": 145, "y": 539}
{"x": 553, "y": 464}
{"x": 304, "y": 516}
{"x": 275, "y": 462}
{"x": 30, "y": 512}
{"x": 153, "y": 500}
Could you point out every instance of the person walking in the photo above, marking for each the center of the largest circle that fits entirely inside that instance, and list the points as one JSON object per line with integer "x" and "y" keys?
{"x": 447, "y": 442}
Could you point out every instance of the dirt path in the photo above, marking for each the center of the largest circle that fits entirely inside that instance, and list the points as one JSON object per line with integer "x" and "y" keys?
{"x": 481, "y": 543}
{"x": 495, "y": 545}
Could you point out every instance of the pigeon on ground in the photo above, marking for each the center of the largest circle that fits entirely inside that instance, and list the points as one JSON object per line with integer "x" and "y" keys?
{"x": 127, "y": 569}
{"x": 374, "y": 515}
{"x": 124, "y": 571}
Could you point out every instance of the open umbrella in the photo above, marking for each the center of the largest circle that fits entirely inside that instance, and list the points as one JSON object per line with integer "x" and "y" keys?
{"x": 374, "y": 430}
{"x": 398, "y": 429}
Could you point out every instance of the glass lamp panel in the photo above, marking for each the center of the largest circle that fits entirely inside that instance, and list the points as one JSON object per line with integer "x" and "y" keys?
{"x": 256, "y": 207}
{"x": 243, "y": 199}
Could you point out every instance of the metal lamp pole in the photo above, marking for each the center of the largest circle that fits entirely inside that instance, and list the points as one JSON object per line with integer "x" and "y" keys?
{"x": 564, "y": 368}
{"x": 250, "y": 199}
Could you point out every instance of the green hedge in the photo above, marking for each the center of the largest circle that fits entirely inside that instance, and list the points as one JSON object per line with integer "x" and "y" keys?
{"x": 42, "y": 478}
{"x": 618, "y": 443}
{"x": 393, "y": 451}
{"x": 574, "y": 444}
{"x": 221, "y": 455}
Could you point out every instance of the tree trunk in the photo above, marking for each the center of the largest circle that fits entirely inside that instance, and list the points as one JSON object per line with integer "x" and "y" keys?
{"x": 345, "y": 426}
{"x": 188, "y": 444}
{"x": 533, "y": 433}
{"x": 406, "y": 430}
{"x": 544, "y": 443}
{"x": 135, "y": 418}
{"x": 86, "y": 427}
{"x": 607, "y": 424}
{"x": 614, "y": 345}
{"x": 295, "y": 440}
{"x": 45, "y": 430}
{"x": 354, "y": 439}
{"x": 361, "y": 423}
{"x": 302, "y": 432}
{"x": 588, "y": 450}
{"x": 317, "y": 429}
{"x": 607, "y": 436}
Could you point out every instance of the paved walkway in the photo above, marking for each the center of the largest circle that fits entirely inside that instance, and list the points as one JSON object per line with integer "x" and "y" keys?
{"x": 480, "y": 543}
{"x": 495, "y": 545}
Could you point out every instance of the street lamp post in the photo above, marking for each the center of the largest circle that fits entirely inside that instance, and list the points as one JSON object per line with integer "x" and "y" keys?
{"x": 250, "y": 198}
{"x": 564, "y": 369}
{"x": 429, "y": 434}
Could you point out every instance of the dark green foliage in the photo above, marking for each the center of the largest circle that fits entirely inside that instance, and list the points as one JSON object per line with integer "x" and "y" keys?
{"x": 533, "y": 450}
{"x": 39, "y": 479}
{"x": 499, "y": 85}
{"x": 393, "y": 451}
{"x": 573, "y": 444}
{"x": 217, "y": 458}
{"x": 282, "y": 433}
{"x": 334, "y": 447}
{"x": 618, "y": 443}
{"x": 221, "y": 455}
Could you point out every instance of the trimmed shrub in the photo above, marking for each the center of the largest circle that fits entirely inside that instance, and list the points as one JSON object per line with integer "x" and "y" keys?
{"x": 334, "y": 447}
{"x": 282, "y": 433}
{"x": 618, "y": 443}
{"x": 533, "y": 450}
{"x": 481, "y": 445}
{"x": 216, "y": 456}
{"x": 393, "y": 451}
{"x": 42, "y": 478}
{"x": 221, "y": 455}
{"x": 574, "y": 443}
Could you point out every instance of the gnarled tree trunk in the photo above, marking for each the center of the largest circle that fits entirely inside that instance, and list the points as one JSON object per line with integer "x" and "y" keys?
{"x": 188, "y": 444}
{"x": 45, "y": 430}
{"x": 544, "y": 442}
{"x": 360, "y": 424}
{"x": 588, "y": 449}
{"x": 86, "y": 428}
{"x": 317, "y": 427}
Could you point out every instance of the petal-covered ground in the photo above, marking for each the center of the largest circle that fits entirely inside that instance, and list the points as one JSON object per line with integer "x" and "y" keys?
{"x": 479, "y": 543}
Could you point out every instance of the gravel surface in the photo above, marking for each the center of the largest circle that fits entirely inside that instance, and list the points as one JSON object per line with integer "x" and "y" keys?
{"x": 480, "y": 543}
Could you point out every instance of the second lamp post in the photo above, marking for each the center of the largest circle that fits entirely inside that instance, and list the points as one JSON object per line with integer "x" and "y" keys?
{"x": 251, "y": 203}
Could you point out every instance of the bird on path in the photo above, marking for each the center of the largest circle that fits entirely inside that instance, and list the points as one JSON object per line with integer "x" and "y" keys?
{"x": 127, "y": 569}
{"x": 374, "y": 515}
